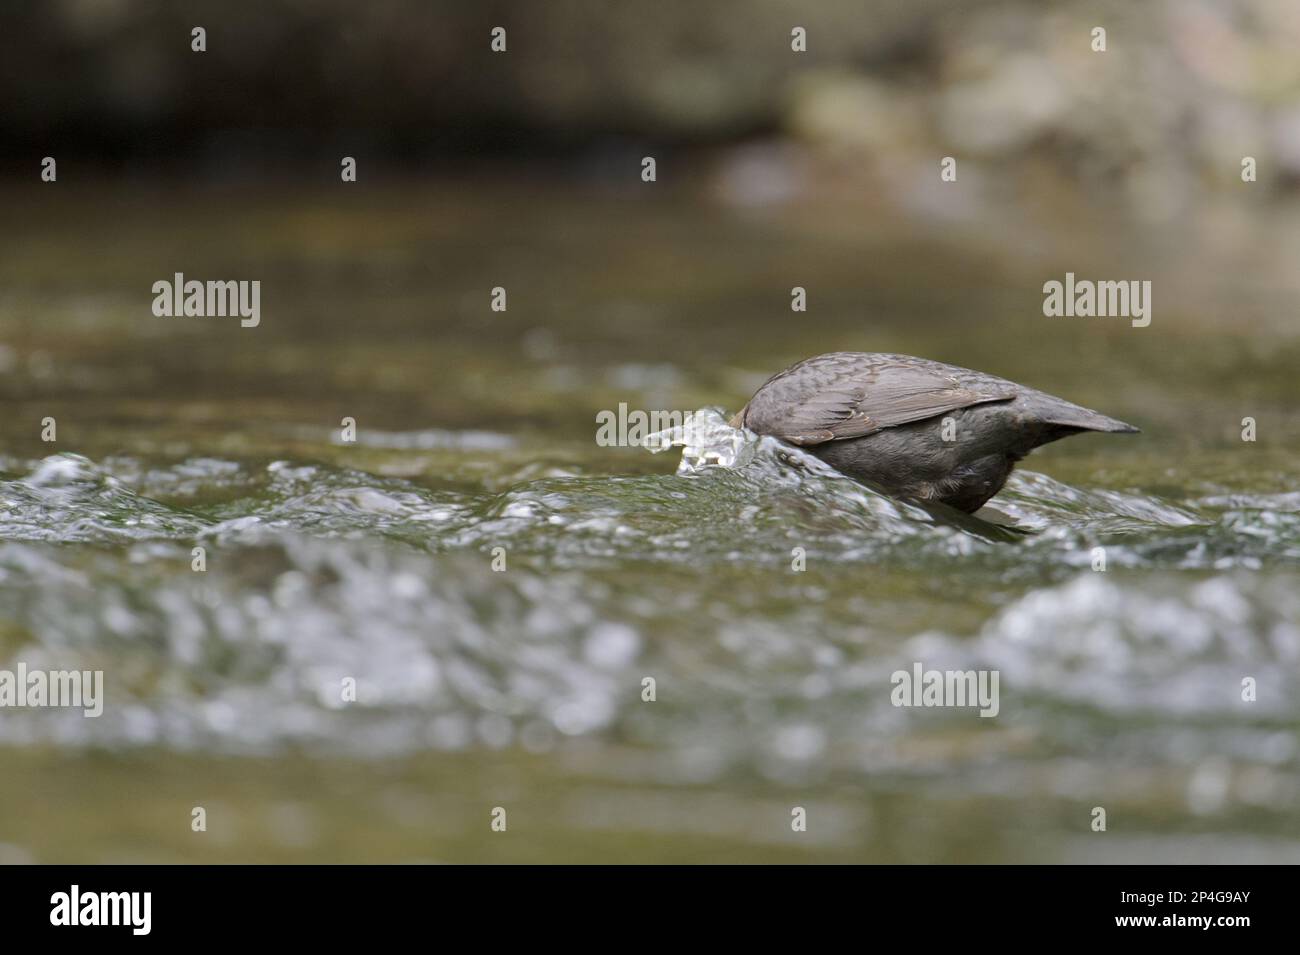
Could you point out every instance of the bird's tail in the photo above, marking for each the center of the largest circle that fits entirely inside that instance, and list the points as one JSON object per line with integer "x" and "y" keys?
{"x": 1073, "y": 416}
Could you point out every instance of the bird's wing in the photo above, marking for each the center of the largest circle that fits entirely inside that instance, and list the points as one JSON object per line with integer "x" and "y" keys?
{"x": 863, "y": 401}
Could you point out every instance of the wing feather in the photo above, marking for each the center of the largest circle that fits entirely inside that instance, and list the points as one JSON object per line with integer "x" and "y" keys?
{"x": 861, "y": 401}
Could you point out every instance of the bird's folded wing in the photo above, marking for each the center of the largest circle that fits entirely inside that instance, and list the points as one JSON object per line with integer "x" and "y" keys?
{"x": 855, "y": 406}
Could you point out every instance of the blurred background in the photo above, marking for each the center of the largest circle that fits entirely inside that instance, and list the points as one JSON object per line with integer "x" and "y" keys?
{"x": 371, "y": 560}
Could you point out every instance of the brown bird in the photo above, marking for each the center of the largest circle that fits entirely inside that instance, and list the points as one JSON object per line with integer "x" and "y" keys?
{"x": 914, "y": 428}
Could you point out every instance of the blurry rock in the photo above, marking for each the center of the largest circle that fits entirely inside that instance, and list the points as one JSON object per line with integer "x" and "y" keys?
{"x": 762, "y": 173}
{"x": 1021, "y": 100}
{"x": 1285, "y": 142}
{"x": 841, "y": 109}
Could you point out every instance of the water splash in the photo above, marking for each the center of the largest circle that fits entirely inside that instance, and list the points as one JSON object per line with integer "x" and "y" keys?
{"x": 706, "y": 440}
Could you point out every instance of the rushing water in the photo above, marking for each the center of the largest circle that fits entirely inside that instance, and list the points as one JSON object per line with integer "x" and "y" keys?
{"x": 499, "y": 589}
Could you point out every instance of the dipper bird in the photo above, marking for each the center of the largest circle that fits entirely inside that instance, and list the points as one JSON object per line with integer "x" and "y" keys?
{"x": 914, "y": 428}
